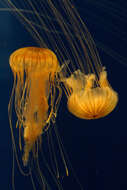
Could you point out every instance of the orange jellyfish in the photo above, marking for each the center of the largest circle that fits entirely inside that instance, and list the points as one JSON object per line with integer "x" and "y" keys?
{"x": 35, "y": 70}
{"x": 89, "y": 97}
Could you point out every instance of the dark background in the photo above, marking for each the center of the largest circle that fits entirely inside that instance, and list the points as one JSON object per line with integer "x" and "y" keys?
{"x": 97, "y": 148}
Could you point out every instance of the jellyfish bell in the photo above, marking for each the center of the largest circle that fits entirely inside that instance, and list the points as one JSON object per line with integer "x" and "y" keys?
{"x": 89, "y": 97}
{"x": 34, "y": 72}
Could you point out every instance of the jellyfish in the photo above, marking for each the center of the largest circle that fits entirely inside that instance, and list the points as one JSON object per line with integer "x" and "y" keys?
{"x": 89, "y": 97}
{"x": 34, "y": 71}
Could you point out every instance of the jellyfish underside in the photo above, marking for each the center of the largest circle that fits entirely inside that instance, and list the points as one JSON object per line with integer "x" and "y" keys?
{"x": 89, "y": 97}
{"x": 34, "y": 70}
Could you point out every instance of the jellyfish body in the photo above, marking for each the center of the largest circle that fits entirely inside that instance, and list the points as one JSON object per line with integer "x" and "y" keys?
{"x": 90, "y": 98}
{"x": 34, "y": 71}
